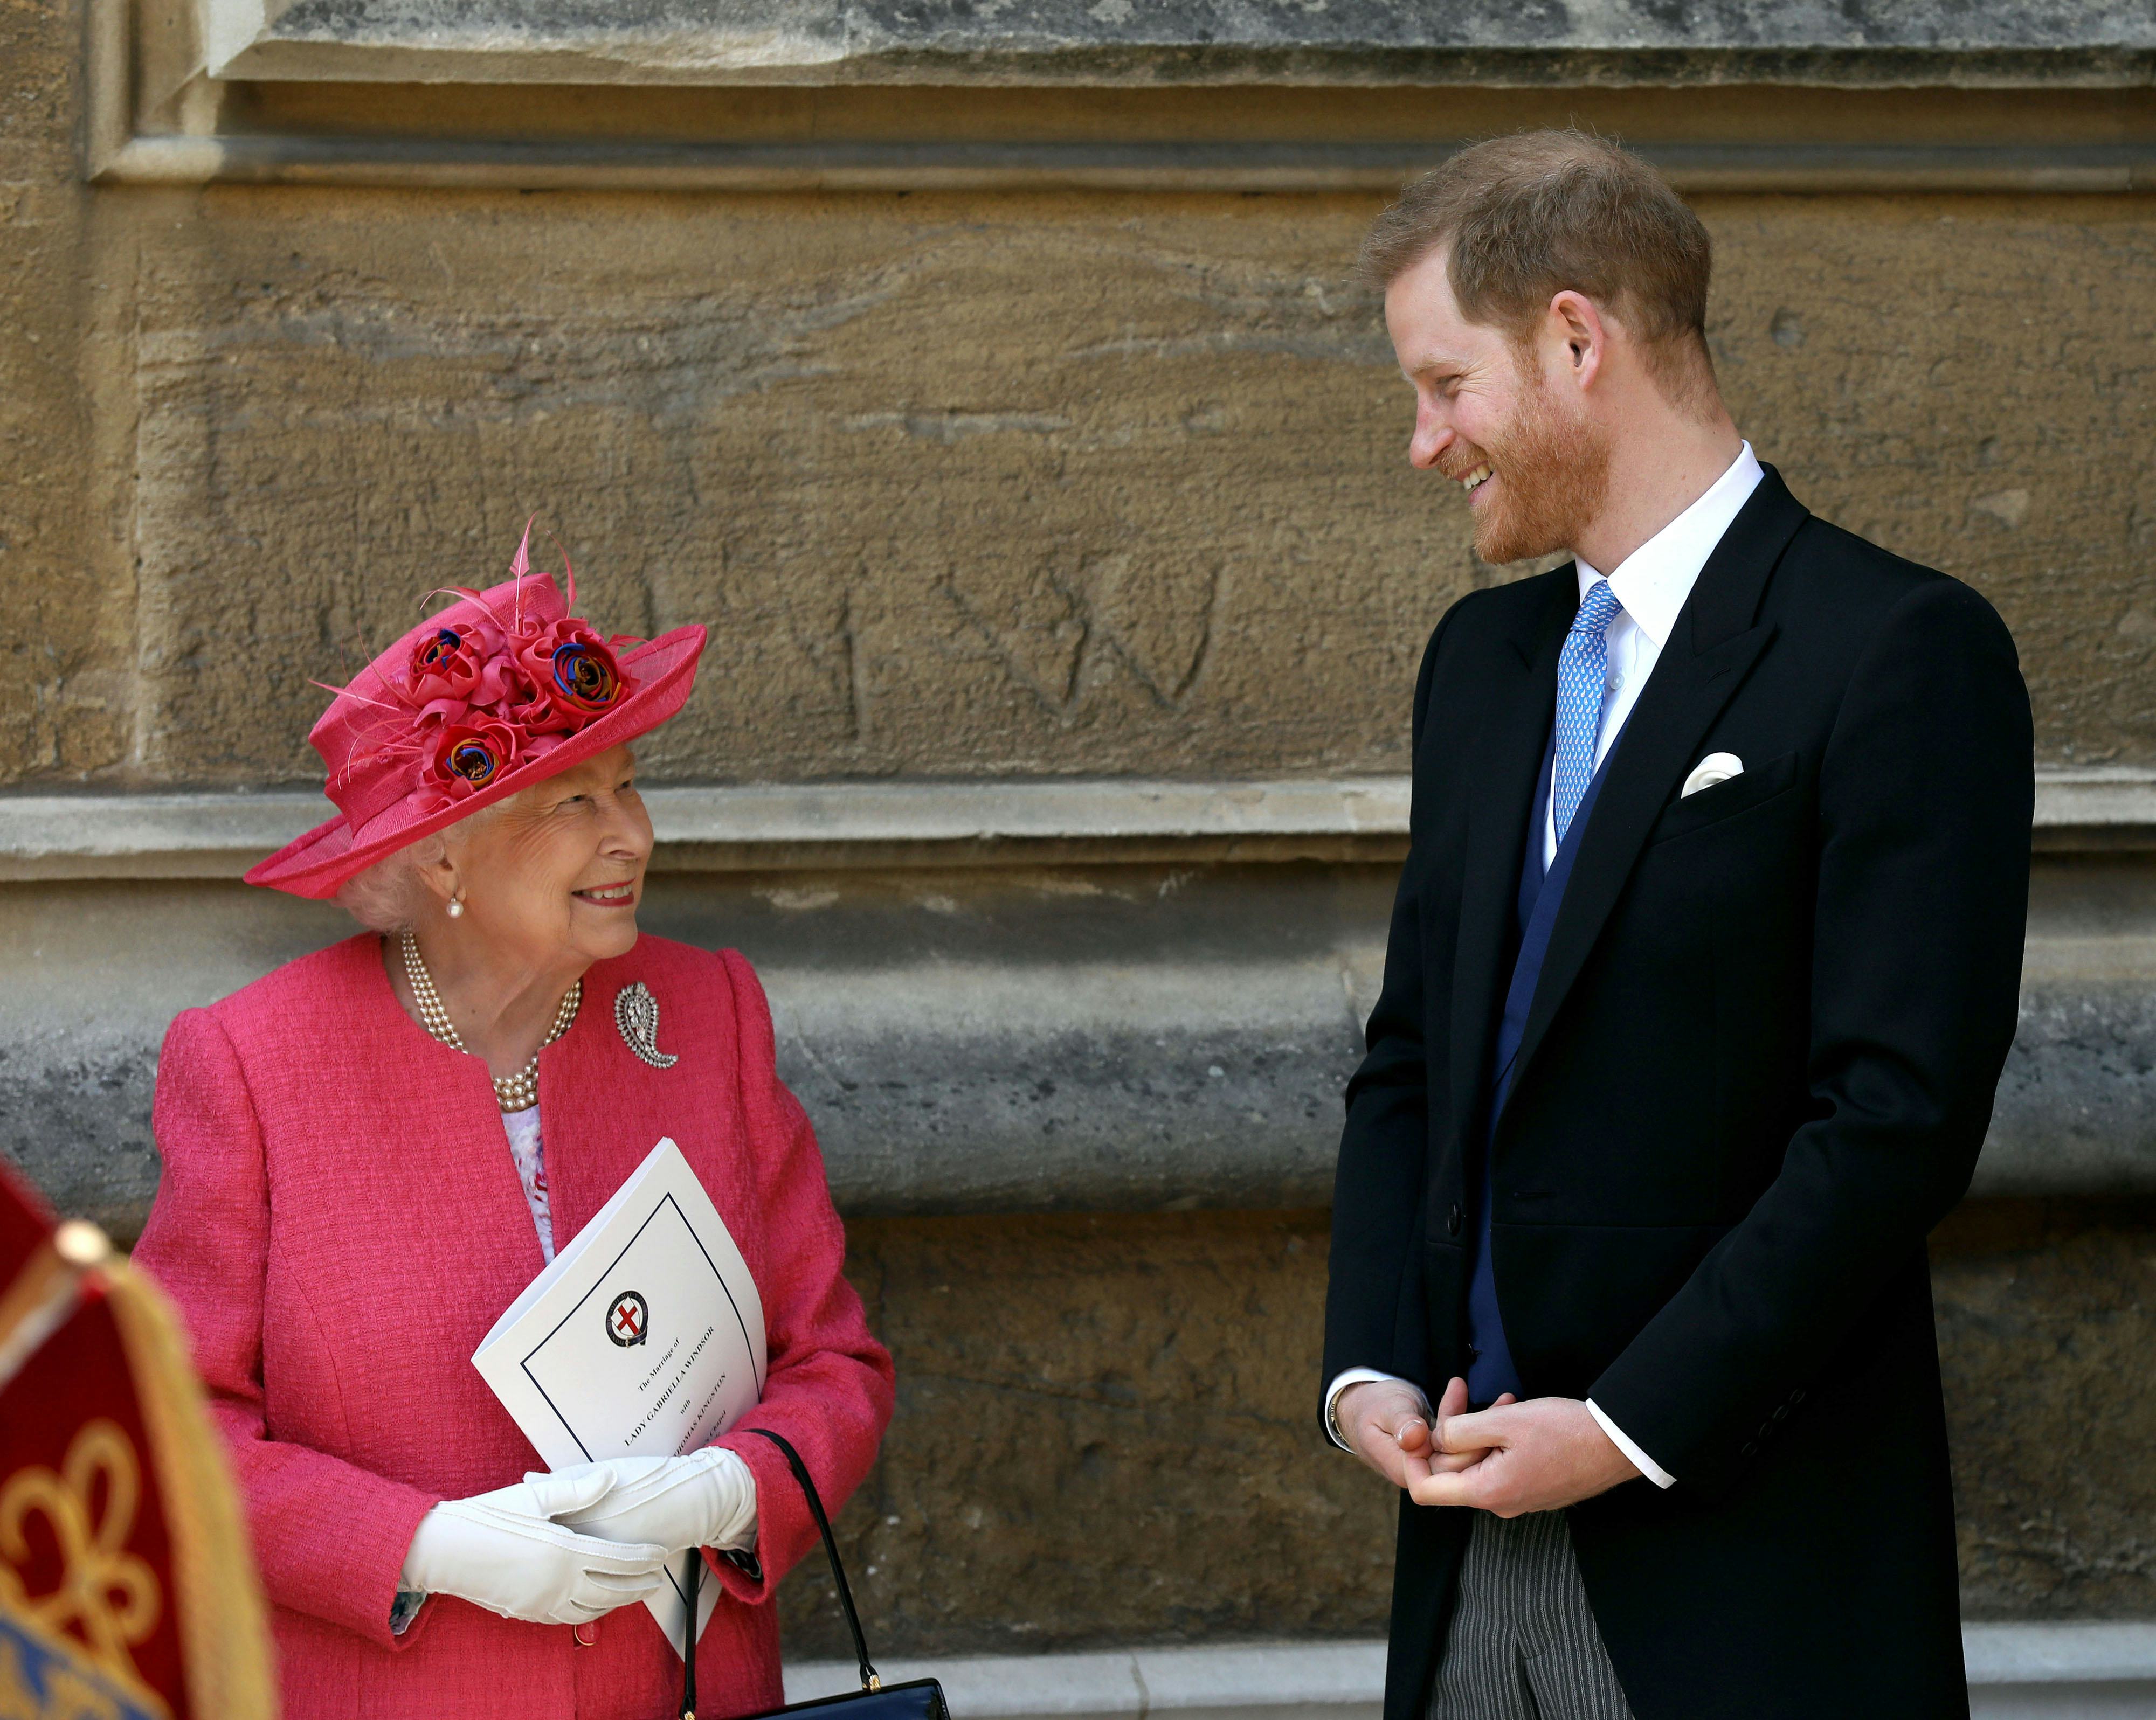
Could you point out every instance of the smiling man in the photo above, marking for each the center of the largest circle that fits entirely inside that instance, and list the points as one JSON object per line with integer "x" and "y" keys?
{"x": 1702, "y": 968}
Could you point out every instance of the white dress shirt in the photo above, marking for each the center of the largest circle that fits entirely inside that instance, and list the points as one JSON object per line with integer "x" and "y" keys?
{"x": 1652, "y": 583}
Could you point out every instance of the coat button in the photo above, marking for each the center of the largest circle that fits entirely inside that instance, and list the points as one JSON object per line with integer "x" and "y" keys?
{"x": 1797, "y": 1395}
{"x": 1453, "y": 1221}
{"x": 1781, "y": 1412}
{"x": 1750, "y": 1451}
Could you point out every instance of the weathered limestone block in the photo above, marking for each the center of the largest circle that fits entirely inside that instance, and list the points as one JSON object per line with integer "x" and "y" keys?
{"x": 1106, "y": 1430}
{"x": 2047, "y": 1329}
{"x": 1106, "y": 1434}
{"x": 64, "y": 633}
{"x": 995, "y": 485}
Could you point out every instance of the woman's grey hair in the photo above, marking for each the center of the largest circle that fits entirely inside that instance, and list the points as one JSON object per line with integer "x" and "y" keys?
{"x": 390, "y": 895}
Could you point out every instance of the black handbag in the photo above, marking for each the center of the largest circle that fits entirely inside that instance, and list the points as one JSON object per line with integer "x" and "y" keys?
{"x": 917, "y": 1699}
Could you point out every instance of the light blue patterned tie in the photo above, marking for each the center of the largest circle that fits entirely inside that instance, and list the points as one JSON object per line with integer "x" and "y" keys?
{"x": 1583, "y": 671}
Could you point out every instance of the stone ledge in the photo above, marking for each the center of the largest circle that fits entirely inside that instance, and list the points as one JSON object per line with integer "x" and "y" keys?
{"x": 2112, "y": 1653}
{"x": 1378, "y": 169}
{"x": 1861, "y": 42}
{"x": 1041, "y": 996}
{"x": 774, "y": 826}
{"x": 1133, "y": 1039}
{"x": 781, "y": 826}
{"x": 2058, "y": 1671}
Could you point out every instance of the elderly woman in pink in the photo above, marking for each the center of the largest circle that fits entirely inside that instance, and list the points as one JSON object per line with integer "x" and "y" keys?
{"x": 369, "y": 1153}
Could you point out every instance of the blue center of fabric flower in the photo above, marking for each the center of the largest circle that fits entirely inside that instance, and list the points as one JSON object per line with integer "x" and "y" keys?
{"x": 583, "y": 676}
{"x": 445, "y": 644}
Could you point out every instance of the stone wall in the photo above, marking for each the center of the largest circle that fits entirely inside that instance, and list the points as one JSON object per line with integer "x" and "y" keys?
{"x": 2047, "y": 1322}
{"x": 964, "y": 486}
{"x": 967, "y": 484}
{"x": 1106, "y": 1434}
{"x": 1106, "y": 1430}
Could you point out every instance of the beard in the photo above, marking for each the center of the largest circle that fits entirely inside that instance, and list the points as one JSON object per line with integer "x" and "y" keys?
{"x": 1552, "y": 474}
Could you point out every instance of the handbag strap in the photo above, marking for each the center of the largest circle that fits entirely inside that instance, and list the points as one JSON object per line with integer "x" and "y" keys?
{"x": 695, "y": 1575}
{"x": 870, "y": 1680}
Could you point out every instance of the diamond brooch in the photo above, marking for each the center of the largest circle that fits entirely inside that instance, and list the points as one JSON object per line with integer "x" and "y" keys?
{"x": 636, "y": 1013}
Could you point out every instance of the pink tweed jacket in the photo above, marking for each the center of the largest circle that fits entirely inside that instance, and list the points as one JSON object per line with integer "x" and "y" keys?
{"x": 340, "y": 1223}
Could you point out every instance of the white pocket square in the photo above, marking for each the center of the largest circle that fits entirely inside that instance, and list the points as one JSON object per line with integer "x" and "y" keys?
{"x": 1715, "y": 767}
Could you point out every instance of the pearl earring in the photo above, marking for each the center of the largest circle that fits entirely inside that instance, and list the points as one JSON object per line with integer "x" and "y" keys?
{"x": 456, "y": 907}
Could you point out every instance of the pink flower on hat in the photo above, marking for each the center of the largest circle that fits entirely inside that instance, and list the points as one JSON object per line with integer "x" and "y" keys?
{"x": 463, "y": 664}
{"x": 570, "y": 674}
{"x": 469, "y": 757}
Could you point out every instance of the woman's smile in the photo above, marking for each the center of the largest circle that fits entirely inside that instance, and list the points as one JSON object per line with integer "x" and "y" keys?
{"x": 621, "y": 895}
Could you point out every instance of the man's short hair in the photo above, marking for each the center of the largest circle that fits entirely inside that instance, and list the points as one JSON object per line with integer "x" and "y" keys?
{"x": 1523, "y": 218}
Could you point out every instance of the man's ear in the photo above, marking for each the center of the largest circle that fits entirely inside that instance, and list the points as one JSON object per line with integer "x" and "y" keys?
{"x": 1578, "y": 328}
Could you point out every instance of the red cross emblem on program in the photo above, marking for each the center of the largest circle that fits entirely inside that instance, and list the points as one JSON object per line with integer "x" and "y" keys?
{"x": 628, "y": 1321}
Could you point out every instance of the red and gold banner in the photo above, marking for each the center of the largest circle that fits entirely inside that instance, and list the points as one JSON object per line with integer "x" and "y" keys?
{"x": 127, "y": 1591}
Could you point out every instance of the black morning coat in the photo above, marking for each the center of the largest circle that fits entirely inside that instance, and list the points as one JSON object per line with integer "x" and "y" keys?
{"x": 1757, "y": 1070}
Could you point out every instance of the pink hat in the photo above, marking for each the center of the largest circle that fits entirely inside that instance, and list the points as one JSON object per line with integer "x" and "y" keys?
{"x": 499, "y": 691}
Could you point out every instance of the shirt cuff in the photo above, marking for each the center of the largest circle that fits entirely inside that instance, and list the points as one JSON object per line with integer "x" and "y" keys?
{"x": 1357, "y": 1376}
{"x": 1640, "y": 1461}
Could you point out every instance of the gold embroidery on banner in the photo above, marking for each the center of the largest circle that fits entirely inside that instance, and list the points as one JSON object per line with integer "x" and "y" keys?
{"x": 106, "y": 1592}
{"x": 67, "y": 1696}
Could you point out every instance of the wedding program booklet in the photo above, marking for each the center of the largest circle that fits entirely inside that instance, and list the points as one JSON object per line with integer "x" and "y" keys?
{"x": 644, "y": 1338}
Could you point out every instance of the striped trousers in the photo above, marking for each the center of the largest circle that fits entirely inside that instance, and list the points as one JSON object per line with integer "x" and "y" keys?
{"x": 1522, "y": 1644}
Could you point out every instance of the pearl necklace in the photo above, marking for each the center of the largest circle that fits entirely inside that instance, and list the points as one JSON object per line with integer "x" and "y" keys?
{"x": 513, "y": 1092}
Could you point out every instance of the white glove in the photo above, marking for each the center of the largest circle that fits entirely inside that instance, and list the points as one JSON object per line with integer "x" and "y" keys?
{"x": 500, "y": 1551}
{"x": 705, "y": 1499}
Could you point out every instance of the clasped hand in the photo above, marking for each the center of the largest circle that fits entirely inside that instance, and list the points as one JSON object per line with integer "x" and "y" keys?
{"x": 1510, "y": 1459}
{"x": 705, "y": 1499}
{"x": 566, "y": 1547}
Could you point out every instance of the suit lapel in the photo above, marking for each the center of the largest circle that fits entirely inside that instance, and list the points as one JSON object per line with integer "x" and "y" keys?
{"x": 1521, "y": 703}
{"x": 1712, "y": 648}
